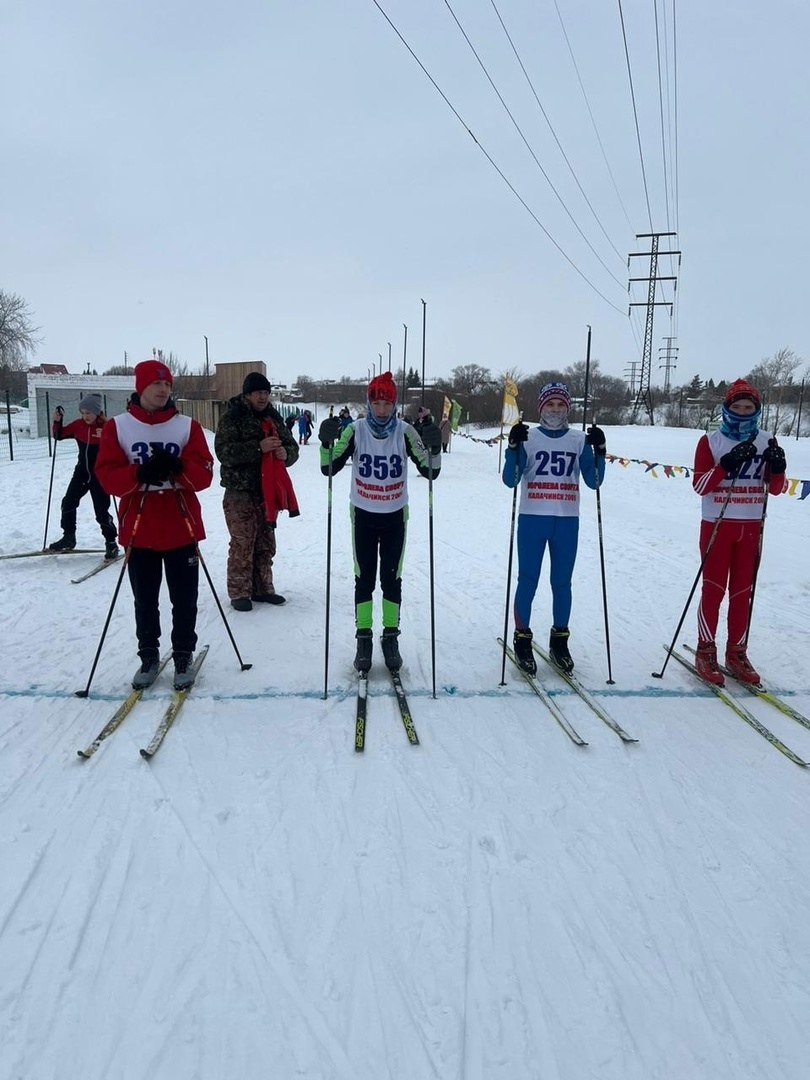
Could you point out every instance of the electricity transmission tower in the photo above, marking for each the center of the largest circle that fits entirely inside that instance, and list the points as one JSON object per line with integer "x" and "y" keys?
{"x": 669, "y": 364}
{"x": 644, "y": 396}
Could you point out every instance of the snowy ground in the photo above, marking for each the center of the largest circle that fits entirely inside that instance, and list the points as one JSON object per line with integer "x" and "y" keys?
{"x": 495, "y": 904}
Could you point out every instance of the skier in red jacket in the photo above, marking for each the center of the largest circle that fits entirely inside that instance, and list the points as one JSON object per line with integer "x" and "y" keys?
{"x": 733, "y": 468}
{"x": 155, "y": 460}
{"x": 87, "y": 433}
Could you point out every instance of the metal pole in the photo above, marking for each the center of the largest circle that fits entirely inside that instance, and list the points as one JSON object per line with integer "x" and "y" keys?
{"x": 389, "y": 355}
{"x": 404, "y": 355}
{"x": 328, "y": 577}
{"x": 47, "y": 420}
{"x": 799, "y": 417}
{"x": 424, "y": 319}
{"x": 587, "y": 380}
{"x": 8, "y": 417}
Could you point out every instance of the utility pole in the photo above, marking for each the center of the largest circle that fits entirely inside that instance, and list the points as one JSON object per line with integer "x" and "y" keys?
{"x": 669, "y": 361}
{"x": 207, "y": 369}
{"x": 644, "y": 396}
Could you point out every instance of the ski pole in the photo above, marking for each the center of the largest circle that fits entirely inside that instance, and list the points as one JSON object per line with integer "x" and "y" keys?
{"x": 610, "y": 680}
{"x": 61, "y": 412}
{"x": 660, "y": 674}
{"x": 328, "y": 577}
{"x": 767, "y": 482}
{"x": 432, "y": 574}
{"x": 187, "y": 518}
{"x": 509, "y": 563}
{"x": 135, "y": 524}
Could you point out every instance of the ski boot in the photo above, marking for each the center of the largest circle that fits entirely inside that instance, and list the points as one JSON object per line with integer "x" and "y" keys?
{"x": 524, "y": 652}
{"x": 558, "y": 649}
{"x": 111, "y": 551}
{"x": 147, "y": 672}
{"x": 242, "y": 603}
{"x": 390, "y": 648}
{"x": 365, "y": 644}
{"x": 706, "y": 663}
{"x": 739, "y": 665}
{"x": 183, "y": 671}
{"x": 67, "y": 543}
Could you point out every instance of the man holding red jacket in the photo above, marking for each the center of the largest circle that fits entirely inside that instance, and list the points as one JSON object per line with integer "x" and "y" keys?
{"x": 155, "y": 459}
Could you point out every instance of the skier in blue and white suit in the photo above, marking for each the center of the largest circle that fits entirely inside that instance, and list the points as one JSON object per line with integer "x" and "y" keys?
{"x": 549, "y": 459}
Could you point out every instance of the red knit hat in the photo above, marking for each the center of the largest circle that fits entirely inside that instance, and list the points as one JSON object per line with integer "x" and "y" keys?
{"x": 383, "y": 388}
{"x": 742, "y": 389}
{"x": 149, "y": 371}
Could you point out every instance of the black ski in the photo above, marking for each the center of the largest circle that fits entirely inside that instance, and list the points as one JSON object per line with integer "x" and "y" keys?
{"x": 586, "y": 696}
{"x": 404, "y": 708}
{"x": 360, "y": 716}
{"x": 547, "y": 699}
{"x": 174, "y": 707}
{"x": 119, "y": 716}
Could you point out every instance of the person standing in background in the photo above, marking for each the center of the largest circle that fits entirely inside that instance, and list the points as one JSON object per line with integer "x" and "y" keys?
{"x": 250, "y": 429}
{"x": 87, "y": 433}
{"x": 446, "y": 432}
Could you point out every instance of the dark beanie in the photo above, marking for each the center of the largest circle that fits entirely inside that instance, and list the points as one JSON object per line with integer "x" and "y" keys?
{"x": 91, "y": 403}
{"x": 255, "y": 381}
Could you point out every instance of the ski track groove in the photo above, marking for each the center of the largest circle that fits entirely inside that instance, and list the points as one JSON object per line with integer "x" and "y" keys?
{"x": 310, "y": 1017}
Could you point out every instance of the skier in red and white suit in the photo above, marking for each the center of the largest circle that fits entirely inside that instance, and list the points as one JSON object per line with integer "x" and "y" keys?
{"x": 155, "y": 459}
{"x": 733, "y": 467}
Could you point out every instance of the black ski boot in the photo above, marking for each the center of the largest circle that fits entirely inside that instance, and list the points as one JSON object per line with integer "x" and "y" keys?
{"x": 365, "y": 645}
{"x": 390, "y": 648}
{"x": 111, "y": 551}
{"x": 558, "y": 649}
{"x": 147, "y": 672}
{"x": 183, "y": 671}
{"x": 524, "y": 652}
{"x": 67, "y": 543}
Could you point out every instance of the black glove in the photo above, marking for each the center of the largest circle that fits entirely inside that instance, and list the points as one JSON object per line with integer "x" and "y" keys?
{"x": 596, "y": 437}
{"x": 774, "y": 458}
{"x": 518, "y": 434}
{"x": 738, "y": 455}
{"x": 162, "y": 465}
{"x": 432, "y": 438}
{"x": 329, "y": 431}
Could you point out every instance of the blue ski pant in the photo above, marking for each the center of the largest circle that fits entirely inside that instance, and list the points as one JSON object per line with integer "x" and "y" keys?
{"x": 534, "y": 533}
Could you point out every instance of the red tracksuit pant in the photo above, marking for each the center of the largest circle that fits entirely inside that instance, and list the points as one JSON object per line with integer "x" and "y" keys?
{"x": 730, "y": 566}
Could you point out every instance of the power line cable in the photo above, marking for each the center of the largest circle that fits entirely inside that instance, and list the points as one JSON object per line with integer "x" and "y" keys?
{"x": 553, "y": 132}
{"x": 497, "y": 168}
{"x": 593, "y": 119}
{"x": 661, "y": 111}
{"x": 635, "y": 116}
{"x": 528, "y": 146}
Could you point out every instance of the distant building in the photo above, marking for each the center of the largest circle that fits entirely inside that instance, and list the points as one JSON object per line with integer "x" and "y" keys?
{"x": 48, "y": 369}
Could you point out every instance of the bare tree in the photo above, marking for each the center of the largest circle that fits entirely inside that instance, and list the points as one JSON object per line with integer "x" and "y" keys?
{"x": 472, "y": 379}
{"x": 18, "y": 335}
{"x": 772, "y": 376}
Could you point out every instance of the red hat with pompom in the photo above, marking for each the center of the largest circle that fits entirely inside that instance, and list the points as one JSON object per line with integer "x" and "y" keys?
{"x": 383, "y": 388}
{"x": 742, "y": 389}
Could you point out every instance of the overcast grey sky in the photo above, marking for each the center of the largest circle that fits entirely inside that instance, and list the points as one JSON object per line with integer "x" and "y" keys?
{"x": 282, "y": 177}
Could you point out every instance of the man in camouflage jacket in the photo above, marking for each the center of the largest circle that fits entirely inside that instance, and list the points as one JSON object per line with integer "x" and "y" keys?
{"x": 241, "y": 441}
